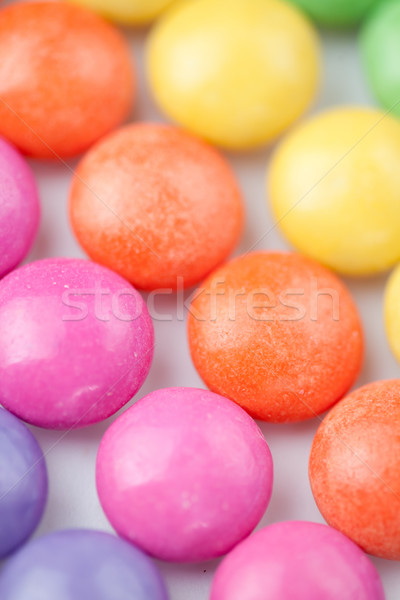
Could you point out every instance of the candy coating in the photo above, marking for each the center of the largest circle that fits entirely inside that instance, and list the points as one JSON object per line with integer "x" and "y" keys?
{"x": 392, "y": 312}
{"x": 77, "y": 343}
{"x": 137, "y": 12}
{"x": 19, "y": 208}
{"x": 355, "y": 470}
{"x": 334, "y": 187}
{"x": 184, "y": 474}
{"x": 336, "y": 13}
{"x": 297, "y": 561}
{"x": 66, "y": 78}
{"x": 278, "y": 334}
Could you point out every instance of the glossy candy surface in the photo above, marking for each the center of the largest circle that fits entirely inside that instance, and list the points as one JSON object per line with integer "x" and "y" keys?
{"x": 77, "y": 343}
{"x": 81, "y": 565}
{"x": 156, "y": 205}
{"x": 336, "y": 13}
{"x": 66, "y": 78}
{"x": 297, "y": 561}
{"x": 335, "y": 188}
{"x": 19, "y": 208}
{"x": 184, "y": 474}
{"x": 236, "y": 73}
{"x": 355, "y": 469}
{"x": 23, "y": 483}
{"x": 392, "y": 312}
{"x": 129, "y": 12}
{"x": 278, "y": 334}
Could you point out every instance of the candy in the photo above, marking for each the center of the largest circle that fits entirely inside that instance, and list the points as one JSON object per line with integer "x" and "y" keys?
{"x": 278, "y": 334}
{"x": 81, "y": 565}
{"x": 392, "y": 312}
{"x": 184, "y": 474}
{"x": 126, "y": 11}
{"x": 380, "y": 45}
{"x": 156, "y": 205}
{"x": 355, "y": 470}
{"x": 335, "y": 189}
{"x": 65, "y": 78}
{"x": 76, "y": 343}
{"x": 336, "y": 13}
{"x": 236, "y": 73}
{"x": 297, "y": 560}
{"x": 19, "y": 208}
{"x": 23, "y": 483}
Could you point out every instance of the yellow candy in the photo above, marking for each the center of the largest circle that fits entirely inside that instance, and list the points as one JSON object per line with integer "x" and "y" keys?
{"x": 236, "y": 72}
{"x": 392, "y": 312}
{"x": 130, "y": 12}
{"x": 335, "y": 189}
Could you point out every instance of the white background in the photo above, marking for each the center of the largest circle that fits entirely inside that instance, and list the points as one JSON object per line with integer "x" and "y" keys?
{"x": 71, "y": 459}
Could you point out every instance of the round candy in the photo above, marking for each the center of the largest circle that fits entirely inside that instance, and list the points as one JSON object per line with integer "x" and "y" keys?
{"x": 81, "y": 565}
{"x": 336, "y": 13}
{"x": 184, "y": 474}
{"x": 335, "y": 189}
{"x": 278, "y": 334}
{"x": 392, "y": 312}
{"x": 156, "y": 205}
{"x": 380, "y": 44}
{"x": 76, "y": 343}
{"x": 236, "y": 73}
{"x": 23, "y": 483}
{"x": 297, "y": 560}
{"x": 19, "y": 208}
{"x": 355, "y": 469}
{"x": 66, "y": 78}
{"x": 127, "y": 11}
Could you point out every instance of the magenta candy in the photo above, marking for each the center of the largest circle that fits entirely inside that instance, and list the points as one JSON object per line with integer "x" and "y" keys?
{"x": 184, "y": 474}
{"x": 19, "y": 208}
{"x": 297, "y": 560}
{"x": 76, "y": 343}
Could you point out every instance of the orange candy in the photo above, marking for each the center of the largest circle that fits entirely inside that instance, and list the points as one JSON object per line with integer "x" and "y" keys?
{"x": 278, "y": 334}
{"x": 66, "y": 78}
{"x": 156, "y": 204}
{"x": 355, "y": 468}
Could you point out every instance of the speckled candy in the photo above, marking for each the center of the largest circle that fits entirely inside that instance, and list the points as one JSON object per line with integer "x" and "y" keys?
{"x": 157, "y": 205}
{"x": 23, "y": 483}
{"x": 185, "y": 474}
{"x": 355, "y": 468}
{"x": 297, "y": 560}
{"x": 77, "y": 342}
{"x": 19, "y": 208}
{"x": 277, "y": 333}
{"x": 81, "y": 565}
{"x": 66, "y": 78}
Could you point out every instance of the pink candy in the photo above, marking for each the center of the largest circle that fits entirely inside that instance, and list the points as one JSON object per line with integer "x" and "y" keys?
{"x": 76, "y": 343}
{"x": 19, "y": 208}
{"x": 185, "y": 474}
{"x": 297, "y": 561}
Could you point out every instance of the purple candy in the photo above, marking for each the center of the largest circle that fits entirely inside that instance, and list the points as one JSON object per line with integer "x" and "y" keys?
{"x": 297, "y": 560}
{"x": 23, "y": 483}
{"x": 81, "y": 565}
{"x": 19, "y": 208}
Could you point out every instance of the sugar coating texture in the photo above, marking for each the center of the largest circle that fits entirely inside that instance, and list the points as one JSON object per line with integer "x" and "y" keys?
{"x": 23, "y": 483}
{"x": 81, "y": 565}
{"x": 139, "y": 12}
{"x": 336, "y": 13}
{"x": 278, "y": 334}
{"x": 156, "y": 205}
{"x": 355, "y": 470}
{"x": 77, "y": 343}
{"x": 235, "y": 73}
{"x": 185, "y": 474}
{"x": 334, "y": 187}
{"x": 380, "y": 46}
{"x": 392, "y": 312}
{"x": 297, "y": 560}
{"x": 19, "y": 208}
{"x": 66, "y": 78}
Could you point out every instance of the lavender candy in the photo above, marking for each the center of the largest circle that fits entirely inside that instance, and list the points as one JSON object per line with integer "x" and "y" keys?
{"x": 81, "y": 565}
{"x": 23, "y": 483}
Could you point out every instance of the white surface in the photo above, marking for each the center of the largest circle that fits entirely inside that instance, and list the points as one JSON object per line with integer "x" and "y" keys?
{"x": 71, "y": 458}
